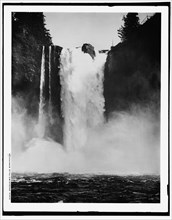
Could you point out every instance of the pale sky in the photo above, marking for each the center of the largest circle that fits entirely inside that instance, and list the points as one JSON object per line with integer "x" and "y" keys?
{"x": 73, "y": 29}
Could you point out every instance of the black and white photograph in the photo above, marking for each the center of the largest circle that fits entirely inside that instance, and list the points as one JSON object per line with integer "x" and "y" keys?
{"x": 85, "y": 109}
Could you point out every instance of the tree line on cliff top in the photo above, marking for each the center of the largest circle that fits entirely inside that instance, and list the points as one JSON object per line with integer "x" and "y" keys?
{"x": 130, "y": 26}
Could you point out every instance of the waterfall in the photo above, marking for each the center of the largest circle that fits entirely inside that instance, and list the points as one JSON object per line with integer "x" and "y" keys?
{"x": 90, "y": 145}
{"x": 49, "y": 75}
{"x": 41, "y": 119}
{"x": 49, "y": 87}
{"x": 82, "y": 98}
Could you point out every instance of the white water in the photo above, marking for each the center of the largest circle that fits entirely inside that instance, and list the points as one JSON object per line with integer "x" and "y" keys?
{"x": 49, "y": 75}
{"x": 127, "y": 144}
{"x": 50, "y": 78}
{"x": 41, "y": 118}
{"x": 42, "y": 82}
{"x": 82, "y": 95}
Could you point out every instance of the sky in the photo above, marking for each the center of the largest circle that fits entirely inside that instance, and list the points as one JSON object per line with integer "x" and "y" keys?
{"x": 71, "y": 30}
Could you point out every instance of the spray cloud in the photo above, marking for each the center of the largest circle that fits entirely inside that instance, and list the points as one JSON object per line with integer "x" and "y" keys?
{"x": 127, "y": 144}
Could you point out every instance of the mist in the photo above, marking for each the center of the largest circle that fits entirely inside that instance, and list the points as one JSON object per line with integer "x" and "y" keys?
{"x": 128, "y": 143}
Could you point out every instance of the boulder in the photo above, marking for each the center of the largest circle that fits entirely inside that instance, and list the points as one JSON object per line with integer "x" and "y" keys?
{"x": 88, "y": 48}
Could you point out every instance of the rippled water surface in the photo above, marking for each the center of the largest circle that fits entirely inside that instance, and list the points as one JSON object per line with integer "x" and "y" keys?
{"x": 78, "y": 188}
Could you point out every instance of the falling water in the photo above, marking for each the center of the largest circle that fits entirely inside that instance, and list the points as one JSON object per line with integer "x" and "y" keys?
{"x": 127, "y": 144}
{"x": 41, "y": 120}
{"x": 49, "y": 75}
{"x": 81, "y": 95}
{"x": 50, "y": 105}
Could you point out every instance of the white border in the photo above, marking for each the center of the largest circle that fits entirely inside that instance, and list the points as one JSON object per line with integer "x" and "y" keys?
{"x": 162, "y": 206}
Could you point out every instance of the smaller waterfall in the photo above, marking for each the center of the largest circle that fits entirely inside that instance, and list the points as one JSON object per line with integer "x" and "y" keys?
{"x": 49, "y": 87}
{"x": 41, "y": 119}
{"x": 49, "y": 75}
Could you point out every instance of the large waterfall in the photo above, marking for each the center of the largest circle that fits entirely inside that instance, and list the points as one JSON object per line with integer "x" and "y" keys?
{"x": 81, "y": 142}
{"x": 82, "y": 101}
{"x": 82, "y": 98}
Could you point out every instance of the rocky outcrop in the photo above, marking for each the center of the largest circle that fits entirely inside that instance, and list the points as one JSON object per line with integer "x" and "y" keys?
{"x": 88, "y": 48}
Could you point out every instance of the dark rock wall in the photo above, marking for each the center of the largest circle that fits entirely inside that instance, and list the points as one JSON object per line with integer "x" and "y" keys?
{"x": 132, "y": 70}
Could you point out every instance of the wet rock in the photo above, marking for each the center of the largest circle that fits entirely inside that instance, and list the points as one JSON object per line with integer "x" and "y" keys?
{"x": 88, "y": 48}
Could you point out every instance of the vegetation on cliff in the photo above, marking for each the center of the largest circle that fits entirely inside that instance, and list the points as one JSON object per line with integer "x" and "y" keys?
{"x": 28, "y": 36}
{"x": 132, "y": 71}
{"x": 130, "y": 27}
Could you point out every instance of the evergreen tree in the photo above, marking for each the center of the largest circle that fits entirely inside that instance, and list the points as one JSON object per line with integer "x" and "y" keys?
{"x": 131, "y": 24}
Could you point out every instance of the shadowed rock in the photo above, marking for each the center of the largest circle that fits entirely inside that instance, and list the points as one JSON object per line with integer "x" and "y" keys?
{"x": 88, "y": 48}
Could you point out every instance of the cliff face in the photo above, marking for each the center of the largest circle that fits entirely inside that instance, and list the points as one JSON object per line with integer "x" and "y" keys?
{"x": 29, "y": 34}
{"x": 132, "y": 70}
